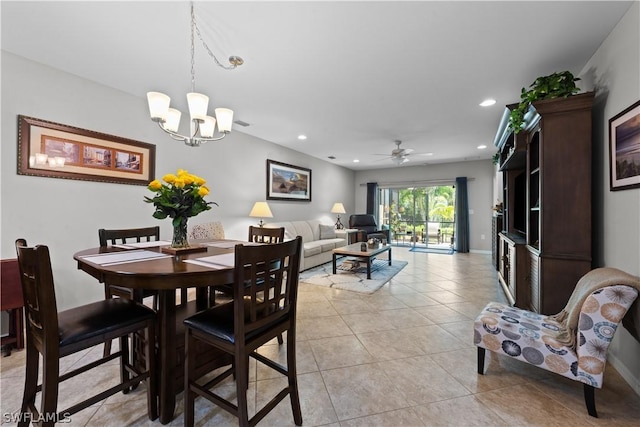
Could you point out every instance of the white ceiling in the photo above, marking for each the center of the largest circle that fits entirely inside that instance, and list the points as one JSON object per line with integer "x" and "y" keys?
{"x": 352, "y": 76}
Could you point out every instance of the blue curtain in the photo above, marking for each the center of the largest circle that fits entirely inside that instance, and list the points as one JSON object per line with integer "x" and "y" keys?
{"x": 372, "y": 198}
{"x": 462, "y": 215}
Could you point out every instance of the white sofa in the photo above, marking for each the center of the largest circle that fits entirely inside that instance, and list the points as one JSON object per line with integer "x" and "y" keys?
{"x": 318, "y": 240}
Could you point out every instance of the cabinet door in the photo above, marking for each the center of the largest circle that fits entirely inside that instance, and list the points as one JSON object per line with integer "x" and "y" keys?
{"x": 534, "y": 281}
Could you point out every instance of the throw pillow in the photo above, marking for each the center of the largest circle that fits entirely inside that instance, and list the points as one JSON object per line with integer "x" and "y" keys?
{"x": 327, "y": 232}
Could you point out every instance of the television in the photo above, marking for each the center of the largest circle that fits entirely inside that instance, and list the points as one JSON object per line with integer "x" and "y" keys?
{"x": 520, "y": 203}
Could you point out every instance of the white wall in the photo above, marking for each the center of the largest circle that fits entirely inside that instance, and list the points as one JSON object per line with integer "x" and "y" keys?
{"x": 66, "y": 214}
{"x": 614, "y": 73}
{"x": 479, "y": 188}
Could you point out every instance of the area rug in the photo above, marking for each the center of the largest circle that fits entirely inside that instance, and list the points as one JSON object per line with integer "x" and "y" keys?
{"x": 445, "y": 251}
{"x": 353, "y": 276}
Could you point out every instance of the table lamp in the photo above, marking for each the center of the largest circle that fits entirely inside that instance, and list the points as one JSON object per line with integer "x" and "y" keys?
{"x": 261, "y": 210}
{"x": 338, "y": 208}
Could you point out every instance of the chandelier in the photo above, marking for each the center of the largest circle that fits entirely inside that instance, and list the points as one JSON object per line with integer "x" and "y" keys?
{"x": 202, "y": 126}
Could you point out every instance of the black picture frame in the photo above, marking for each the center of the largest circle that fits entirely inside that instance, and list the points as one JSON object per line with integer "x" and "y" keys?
{"x": 624, "y": 149}
{"x": 288, "y": 182}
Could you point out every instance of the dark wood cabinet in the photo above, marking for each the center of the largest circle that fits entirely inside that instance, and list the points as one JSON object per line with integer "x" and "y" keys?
{"x": 512, "y": 271}
{"x": 547, "y": 198}
{"x": 496, "y": 228}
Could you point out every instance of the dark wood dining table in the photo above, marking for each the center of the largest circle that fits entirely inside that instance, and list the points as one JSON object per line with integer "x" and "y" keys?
{"x": 166, "y": 275}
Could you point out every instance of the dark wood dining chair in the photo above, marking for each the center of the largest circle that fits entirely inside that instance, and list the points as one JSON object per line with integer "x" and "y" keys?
{"x": 265, "y": 234}
{"x": 256, "y": 235}
{"x": 269, "y": 236}
{"x": 122, "y": 237}
{"x": 265, "y": 293}
{"x": 56, "y": 335}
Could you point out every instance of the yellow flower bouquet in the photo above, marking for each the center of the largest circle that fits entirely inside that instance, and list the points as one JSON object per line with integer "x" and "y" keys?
{"x": 180, "y": 196}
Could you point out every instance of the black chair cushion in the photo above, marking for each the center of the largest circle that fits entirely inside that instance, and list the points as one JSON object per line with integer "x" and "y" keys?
{"x": 218, "y": 322}
{"x": 98, "y": 319}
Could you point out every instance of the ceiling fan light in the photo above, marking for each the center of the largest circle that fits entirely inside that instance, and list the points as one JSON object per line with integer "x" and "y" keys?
{"x": 208, "y": 127}
{"x": 398, "y": 160}
{"x": 225, "y": 119}
{"x": 198, "y": 104}
{"x": 172, "y": 122}
{"x": 158, "y": 105}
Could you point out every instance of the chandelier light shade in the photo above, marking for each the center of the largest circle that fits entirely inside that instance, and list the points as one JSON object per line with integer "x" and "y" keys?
{"x": 202, "y": 127}
{"x": 260, "y": 210}
{"x": 338, "y": 208}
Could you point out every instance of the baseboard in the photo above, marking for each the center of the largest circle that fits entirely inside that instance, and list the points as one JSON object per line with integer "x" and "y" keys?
{"x": 625, "y": 373}
{"x": 478, "y": 251}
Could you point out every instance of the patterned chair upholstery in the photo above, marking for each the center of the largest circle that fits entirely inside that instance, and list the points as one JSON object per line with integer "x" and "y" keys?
{"x": 207, "y": 230}
{"x": 535, "y": 338}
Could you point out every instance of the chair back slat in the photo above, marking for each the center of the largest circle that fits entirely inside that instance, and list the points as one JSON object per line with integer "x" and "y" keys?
{"x": 266, "y": 234}
{"x": 122, "y": 236}
{"x": 265, "y": 285}
{"x": 38, "y": 291}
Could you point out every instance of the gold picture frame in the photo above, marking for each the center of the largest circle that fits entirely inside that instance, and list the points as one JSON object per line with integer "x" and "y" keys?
{"x": 54, "y": 150}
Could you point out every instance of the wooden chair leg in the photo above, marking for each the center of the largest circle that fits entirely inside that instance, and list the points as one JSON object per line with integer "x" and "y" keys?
{"x": 481, "y": 352}
{"x": 30, "y": 383}
{"x": 189, "y": 396}
{"x": 124, "y": 360}
{"x": 242, "y": 382}
{"x": 107, "y": 349}
{"x": 590, "y": 400}
{"x": 280, "y": 339}
{"x": 293, "y": 381}
{"x": 152, "y": 391}
{"x": 50, "y": 379}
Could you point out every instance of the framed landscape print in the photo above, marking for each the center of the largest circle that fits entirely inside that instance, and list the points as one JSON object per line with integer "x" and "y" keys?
{"x": 624, "y": 149}
{"x": 55, "y": 150}
{"x": 288, "y": 182}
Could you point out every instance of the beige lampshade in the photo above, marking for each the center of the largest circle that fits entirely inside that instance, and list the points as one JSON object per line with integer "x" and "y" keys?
{"x": 261, "y": 210}
{"x": 338, "y": 208}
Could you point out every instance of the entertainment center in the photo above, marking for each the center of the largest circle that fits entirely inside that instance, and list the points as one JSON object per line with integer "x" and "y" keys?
{"x": 545, "y": 243}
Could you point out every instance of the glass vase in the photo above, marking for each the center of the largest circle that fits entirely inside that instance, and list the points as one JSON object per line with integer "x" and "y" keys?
{"x": 180, "y": 235}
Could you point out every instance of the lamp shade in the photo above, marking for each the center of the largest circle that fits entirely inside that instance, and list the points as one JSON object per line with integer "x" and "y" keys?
{"x": 158, "y": 105}
{"x": 225, "y": 119}
{"x": 208, "y": 127}
{"x": 261, "y": 210}
{"x": 198, "y": 104}
{"x": 338, "y": 208}
{"x": 172, "y": 120}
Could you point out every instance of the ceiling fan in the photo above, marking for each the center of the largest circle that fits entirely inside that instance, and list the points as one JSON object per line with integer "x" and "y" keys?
{"x": 398, "y": 155}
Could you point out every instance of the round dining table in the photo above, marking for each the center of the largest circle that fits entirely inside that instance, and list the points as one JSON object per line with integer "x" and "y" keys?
{"x": 165, "y": 274}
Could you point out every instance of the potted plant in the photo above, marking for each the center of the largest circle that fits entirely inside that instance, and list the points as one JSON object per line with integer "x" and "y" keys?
{"x": 555, "y": 85}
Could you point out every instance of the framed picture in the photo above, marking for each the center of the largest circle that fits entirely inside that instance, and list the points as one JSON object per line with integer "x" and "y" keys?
{"x": 54, "y": 150}
{"x": 288, "y": 182}
{"x": 624, "y": 149}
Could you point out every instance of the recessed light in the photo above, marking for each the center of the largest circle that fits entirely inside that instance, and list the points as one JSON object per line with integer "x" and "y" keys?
{"x": 481, "y": 147}
{"x": 356, "y": 161}
{"x": 487, "y": 102}
{"x": 302, "y": 137}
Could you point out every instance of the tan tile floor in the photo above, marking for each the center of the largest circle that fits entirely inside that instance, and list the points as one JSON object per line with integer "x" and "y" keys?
{"x": 401, "y": 357}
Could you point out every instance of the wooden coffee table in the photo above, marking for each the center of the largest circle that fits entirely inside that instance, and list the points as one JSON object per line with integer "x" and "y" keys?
{"x": 355, "y": 251}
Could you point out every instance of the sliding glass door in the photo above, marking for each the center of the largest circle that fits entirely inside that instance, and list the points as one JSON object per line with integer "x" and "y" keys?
{"x": 419, "y": 216}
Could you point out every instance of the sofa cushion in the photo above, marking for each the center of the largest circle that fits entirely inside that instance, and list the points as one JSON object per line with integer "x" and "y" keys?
{"x": 327, "y": 232}
{"x": 311, "y": 248}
